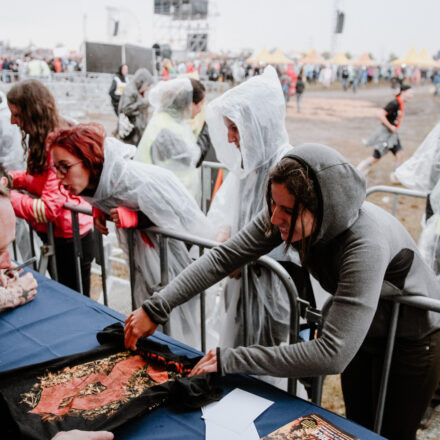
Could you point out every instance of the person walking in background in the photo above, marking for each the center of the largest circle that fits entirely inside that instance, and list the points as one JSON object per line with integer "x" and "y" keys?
{"x": 133, "y": 108}
{"x": 118, "y": 85}
{"x": 34, "y": 111}
{"x": 385, "y": 137}
{"x": 299, "y": 90}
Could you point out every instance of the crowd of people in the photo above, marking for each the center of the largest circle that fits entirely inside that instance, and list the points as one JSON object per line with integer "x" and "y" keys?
{"x": 304, "y": 206}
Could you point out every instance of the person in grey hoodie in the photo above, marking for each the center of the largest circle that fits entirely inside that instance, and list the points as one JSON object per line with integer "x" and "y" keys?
{"x": 359, "y": 253}
{"x": 134, "y": 106}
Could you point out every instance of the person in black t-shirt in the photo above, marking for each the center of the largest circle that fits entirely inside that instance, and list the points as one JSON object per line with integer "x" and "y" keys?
{"x": 385, "y": 137}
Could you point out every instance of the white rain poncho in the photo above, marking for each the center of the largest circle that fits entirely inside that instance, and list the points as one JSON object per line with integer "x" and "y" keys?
{"x": 168, "y": 140}
{"x": 422, "y": 172}
{"x": 257, "y": 108}
{"x": 12, "y": 157}
{"x": 165, "y": 201}
{"x": 11, "y": 151}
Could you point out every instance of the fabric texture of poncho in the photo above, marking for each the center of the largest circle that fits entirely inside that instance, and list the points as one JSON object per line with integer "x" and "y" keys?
{"x": 159, "y": 194}
{"x": 257, "y": 108}
{"x": 422, "y": 172}
{"x": 100, "y": 389}
{"x": 168, "y": 140}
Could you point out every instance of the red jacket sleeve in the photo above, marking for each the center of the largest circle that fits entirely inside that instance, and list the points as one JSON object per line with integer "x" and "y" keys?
{"x": 44, "y": 209}
{"x": 18, "y": 179}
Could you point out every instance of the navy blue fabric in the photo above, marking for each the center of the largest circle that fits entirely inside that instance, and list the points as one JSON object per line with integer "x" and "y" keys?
{"x": 60, "y": 322}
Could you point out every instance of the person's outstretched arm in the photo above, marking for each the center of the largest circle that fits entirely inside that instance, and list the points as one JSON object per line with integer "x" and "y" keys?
{"x": 249, "y": 244}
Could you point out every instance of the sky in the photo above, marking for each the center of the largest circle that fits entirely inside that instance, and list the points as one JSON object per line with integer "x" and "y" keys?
{"x": 379, "y": 27}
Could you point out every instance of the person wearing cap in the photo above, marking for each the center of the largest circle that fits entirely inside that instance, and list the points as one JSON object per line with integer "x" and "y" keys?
{"x": 385, "y": 138}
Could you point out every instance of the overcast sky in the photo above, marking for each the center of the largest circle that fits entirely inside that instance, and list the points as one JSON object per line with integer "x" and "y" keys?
{"x": 376, "y": 26}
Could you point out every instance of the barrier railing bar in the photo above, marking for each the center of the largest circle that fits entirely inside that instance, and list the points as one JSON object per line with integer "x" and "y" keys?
{"x": 202, "y": 312}
{"x": 386, "y": 368}
{"x": 130, "y": 233}
{"x": 396, "y": 190}
{"x": 164, "y": 276}
{"x": 31, "y": 238}
{"x": 77, "y": 250}
{"x": 103, "y": 269}
{"x": 50, "y": 251}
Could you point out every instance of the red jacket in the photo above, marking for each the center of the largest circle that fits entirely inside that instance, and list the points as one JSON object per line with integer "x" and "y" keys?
{"x": 47, "y": 205}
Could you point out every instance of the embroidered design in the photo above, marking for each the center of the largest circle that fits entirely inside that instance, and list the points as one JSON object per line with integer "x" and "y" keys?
{"x": 95, "y": 388}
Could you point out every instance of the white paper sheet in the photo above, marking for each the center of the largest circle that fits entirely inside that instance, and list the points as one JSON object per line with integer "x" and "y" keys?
{"x": 217, "y": 432}
{"x": 237, "y": 410}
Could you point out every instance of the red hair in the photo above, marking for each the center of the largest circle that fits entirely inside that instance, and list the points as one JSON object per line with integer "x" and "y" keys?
{"x": 84, "y": 141}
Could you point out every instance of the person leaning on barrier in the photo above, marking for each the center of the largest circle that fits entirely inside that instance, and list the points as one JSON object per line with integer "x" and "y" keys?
{"x": 34, "y": 111}
{"x": 100, "y": 168}
{"x": 359, "y": 253}
{"x": 15, "y": 290}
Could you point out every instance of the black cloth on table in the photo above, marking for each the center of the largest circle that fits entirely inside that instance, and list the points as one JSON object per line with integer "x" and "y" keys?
{"x": 99, "y": 389}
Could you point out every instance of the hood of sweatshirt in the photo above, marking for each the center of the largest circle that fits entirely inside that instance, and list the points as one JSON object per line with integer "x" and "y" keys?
{"x": 341, "y": 189}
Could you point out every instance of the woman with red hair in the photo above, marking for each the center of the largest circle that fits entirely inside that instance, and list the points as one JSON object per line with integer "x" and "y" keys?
{"x": 34, "y": 111}
{"x": 132, "y": 194}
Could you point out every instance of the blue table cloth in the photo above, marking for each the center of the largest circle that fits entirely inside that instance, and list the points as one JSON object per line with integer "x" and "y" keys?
{"x": 61, "y": 322}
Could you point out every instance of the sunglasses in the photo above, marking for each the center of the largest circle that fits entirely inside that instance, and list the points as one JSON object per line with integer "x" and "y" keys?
{"x": 63, "y": 168}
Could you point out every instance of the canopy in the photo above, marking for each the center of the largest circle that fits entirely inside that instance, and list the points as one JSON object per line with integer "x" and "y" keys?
{"x": 364, "y": 60}
{"x": 266, "y": 57}
{"x": 278, "y": 57}
{"x": 427, "y": 59}
{"x": 413, "y": 58}
{"x": 262, "y": 57}
{"x": 312, "y": 57}
{"x": 340, "y": 59}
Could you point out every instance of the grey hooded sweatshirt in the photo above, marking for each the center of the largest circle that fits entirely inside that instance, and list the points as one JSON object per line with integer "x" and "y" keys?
{"x": 360, "y": 254}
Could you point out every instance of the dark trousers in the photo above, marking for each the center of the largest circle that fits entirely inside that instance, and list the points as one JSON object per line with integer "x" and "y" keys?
{"x": 65, "y": 259}
{"x": 414, "y": 376}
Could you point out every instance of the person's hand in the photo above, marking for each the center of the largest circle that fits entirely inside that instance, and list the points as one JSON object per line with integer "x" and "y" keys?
{"x": 25, "y": 288}
{"x": 223, "y": 236}
{"x": 208, "y": 364}
{"x": 83, "y": 435}
{"x": 100, "y": 224}
{"x": 136, "y": 325}
{"x": 114, "y": 217}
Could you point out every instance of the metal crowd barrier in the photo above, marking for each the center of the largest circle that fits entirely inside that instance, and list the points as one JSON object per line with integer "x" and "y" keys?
{"x": 420, "y": 302}
{"x": 202, "y": 244}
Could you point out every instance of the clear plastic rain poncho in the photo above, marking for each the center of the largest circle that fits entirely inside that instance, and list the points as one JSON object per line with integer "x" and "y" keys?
{"x": 422, "y": 172}
{"x": 257, "y": 108}
{"x": 165, "y": 201}
{"x": 168, "y": 140}
{"x": 12, "y": 157}
{"x": 11, "y": 150}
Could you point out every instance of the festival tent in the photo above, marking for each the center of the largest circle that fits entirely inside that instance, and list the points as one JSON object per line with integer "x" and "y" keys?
{"x": 263, "y": 57}
{"x": 279, "y": 58}
{"x": 312, "y": 57}
{"x": 427, "y": 60}
{"x": 410, "y": 59}
{"x": 340, "y": 59}
{"x": 364, "y": 60}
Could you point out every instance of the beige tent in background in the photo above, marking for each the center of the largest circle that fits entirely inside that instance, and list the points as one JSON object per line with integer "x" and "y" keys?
{"x": 262, "y": 57}
{"x": 279, "y": 58}
{"x": 414, "y": 58}
{"x": 364, "y": 60}
{"x": 312, "y": 57}
{"x": 340, "y": 59}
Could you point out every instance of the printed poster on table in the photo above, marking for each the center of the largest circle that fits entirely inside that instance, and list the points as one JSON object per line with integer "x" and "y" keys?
{"x": 309, "y": 427}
